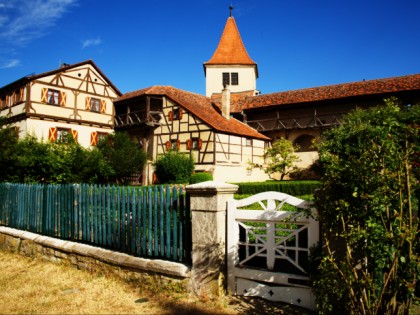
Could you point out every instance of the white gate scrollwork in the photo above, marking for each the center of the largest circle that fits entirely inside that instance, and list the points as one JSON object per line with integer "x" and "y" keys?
{"x": 268, "y": 249}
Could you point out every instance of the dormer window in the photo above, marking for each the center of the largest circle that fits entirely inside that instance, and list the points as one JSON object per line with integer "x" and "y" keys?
{"x": 230, "y": 78}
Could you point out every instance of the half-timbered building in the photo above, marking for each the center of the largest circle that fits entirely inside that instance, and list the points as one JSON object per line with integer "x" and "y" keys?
{"x": 74, "y": 100}
{"x": 164, "y": 118}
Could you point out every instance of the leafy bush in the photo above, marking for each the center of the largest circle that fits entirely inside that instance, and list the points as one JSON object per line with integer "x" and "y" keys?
{"x": 280, "y": 158}
{"x": 122, "y": 157}
{"x": 294, "y": 188}
{"x": 174, "y": 168}
{"x": 200, "y": 177}
{"x": 32, "y": 161}
{"x": 365, "y": 201}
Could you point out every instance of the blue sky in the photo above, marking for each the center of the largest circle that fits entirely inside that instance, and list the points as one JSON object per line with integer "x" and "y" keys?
{"x": 139, "y": 43}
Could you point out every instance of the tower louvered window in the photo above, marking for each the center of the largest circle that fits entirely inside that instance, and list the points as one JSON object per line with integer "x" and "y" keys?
{"x": 226, "y": 78}
{"x": 230, "y": 78}
{"x": 234, "y": 78}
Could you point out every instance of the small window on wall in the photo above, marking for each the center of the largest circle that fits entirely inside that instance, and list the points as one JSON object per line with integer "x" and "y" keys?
{"x": 226, "y": 79}
{"x": 97, "y": 137}
{"x": 234, "y": 78}
{"x": 194, "y": 144}
{"x": 102, "y": 136}
{"x": 172, "y": 145}
{"x": 95, "y": 105}
{"x": 249, "y": 142}
{"x": 176, "y": 114}
{"x": 53, "y": 97}
{"x": 230, "y": 78}
{"x": 62, "y": 135}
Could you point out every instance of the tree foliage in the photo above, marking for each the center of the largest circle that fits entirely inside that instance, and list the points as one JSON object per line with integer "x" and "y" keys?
{"x": 280, "y": 158}
{"x": 8, "y": 141}
{"x": 365, "y": 202}
{"x": 174, "y": 168}
{"x": 32, "y": 161}
{"x": 122, "y": 156}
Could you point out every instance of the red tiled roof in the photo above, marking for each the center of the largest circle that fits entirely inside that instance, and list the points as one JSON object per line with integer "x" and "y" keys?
{"x": 330, "y": 92}
{"x": 201, "y": 107}
{"x": 231, "y": 49}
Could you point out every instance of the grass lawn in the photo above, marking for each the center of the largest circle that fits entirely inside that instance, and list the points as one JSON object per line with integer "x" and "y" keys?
{"x": 31, "y": 286}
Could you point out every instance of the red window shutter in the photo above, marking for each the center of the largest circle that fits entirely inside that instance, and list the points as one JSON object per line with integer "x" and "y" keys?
{"x": 62, "y": 99}
{"x": 88, "y": 103}
{"x": 168, "y": 145}
{"x": 22, "y": 90}
{"x": 171, "y": 115}
{"x": 200, "y": 144}
{"x": 52, "y": 135}
{"x": 44, "y": 95}
{"x": 75, "y": 134}
{"x": 189, "y": 144}
{"x": 103, "y": 106}
{"x": 180, "y": 113}
{"x": 94, "y": 138}
{"x": 178, "y": 144}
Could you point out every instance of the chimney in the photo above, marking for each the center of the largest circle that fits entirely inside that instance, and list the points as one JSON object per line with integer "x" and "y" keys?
{"x": 226, "y": 102}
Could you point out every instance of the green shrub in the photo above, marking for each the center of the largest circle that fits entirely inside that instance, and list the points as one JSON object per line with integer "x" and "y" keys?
{"x": 200, "y": 177}
{"x": 174, "y": 168}
{"x": 294, "y": 188}
{"x": 366, "y": 206}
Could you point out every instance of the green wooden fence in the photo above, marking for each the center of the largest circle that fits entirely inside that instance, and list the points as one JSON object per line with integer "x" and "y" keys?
{"x": 142, "y": 221}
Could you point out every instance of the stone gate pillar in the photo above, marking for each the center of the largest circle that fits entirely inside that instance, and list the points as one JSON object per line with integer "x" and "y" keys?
{"x": 208, "y": 202}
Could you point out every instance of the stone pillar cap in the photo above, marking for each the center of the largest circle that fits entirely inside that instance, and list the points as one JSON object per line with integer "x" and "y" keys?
{"x": 212, "y": 186}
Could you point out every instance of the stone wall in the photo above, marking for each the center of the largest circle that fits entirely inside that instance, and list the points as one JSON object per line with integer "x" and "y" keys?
{"x": 206, "y": 277}
{"x": 157, "y": 272}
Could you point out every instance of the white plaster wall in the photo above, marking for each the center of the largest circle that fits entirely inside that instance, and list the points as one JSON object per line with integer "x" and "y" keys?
{"x": 238, "y": 173}
{"x": 214, "y": 83}
{"x": 307, "y": 158}
{"x": 40, "y": 129}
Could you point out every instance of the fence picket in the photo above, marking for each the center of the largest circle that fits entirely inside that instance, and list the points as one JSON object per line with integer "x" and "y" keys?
{"x": 168, "y": 223}
{"x": 142, "y": 221}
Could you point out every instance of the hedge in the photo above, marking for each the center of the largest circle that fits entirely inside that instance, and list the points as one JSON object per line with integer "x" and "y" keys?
{"x": 200, "y": 177}
{"x": 290, "y": 187}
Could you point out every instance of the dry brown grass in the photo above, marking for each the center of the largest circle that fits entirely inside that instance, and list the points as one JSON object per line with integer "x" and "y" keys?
{"x": 37, "y": 287}
{"x": 30, "y": 286}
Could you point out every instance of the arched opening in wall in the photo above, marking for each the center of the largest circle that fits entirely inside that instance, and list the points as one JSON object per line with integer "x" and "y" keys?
{"x": 305, "y": 143}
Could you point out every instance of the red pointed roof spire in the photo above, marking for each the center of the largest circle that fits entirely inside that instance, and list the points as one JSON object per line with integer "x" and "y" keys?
{"x": 231, "y": 49}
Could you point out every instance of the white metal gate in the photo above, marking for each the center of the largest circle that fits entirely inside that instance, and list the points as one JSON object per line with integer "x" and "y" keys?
{"x": 268, "y": 249}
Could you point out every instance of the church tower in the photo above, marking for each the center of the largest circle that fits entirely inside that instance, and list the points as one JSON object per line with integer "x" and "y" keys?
{"x": 230, "y": 64}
